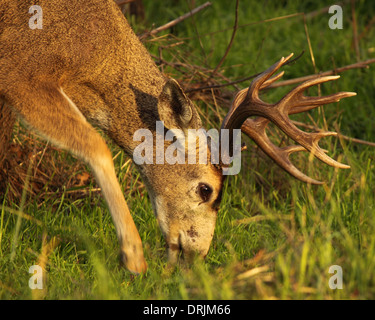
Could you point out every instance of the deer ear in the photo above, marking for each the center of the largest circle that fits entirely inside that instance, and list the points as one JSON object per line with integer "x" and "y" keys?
{"x": 175, "y": 109}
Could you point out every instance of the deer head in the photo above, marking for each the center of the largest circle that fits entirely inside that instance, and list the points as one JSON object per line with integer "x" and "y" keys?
{"x": 187, "y": 213}
{"x": 185, "y": 209}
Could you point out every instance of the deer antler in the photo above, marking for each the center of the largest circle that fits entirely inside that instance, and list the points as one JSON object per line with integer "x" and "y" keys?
{"x": 247, "y": 103}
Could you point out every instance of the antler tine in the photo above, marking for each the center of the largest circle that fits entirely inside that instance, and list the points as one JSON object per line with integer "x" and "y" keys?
{"x": 247, "y": 103}
{"x": 256, "y": 130}
{"x": 336, "y": 97}
{"x": 295, "y": 100}
{"x": 263, "y": 80}
{"x": 239, "y": 109}
{"x": 272, "y": 80}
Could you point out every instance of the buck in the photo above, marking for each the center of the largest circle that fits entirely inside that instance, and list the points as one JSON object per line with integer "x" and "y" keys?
{"x": 85, "y": 67}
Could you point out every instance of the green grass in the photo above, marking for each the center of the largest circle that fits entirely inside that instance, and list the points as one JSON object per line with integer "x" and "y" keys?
{"x": 275, "y": 237}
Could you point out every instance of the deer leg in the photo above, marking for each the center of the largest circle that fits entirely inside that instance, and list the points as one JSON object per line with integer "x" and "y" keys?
{"x": 47, "y": 109}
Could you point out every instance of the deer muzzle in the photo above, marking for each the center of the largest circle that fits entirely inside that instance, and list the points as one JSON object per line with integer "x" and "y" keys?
{"x": 188, "y": 246}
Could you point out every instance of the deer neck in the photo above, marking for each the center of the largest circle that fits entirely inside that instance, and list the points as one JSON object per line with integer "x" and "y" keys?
{"x": 119, "y": 94}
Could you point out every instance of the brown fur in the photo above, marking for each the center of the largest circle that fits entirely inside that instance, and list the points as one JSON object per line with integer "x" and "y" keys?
{"x": 7, "y": 119}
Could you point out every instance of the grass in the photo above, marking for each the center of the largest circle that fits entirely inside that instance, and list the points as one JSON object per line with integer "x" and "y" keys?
{"x": 275, "y": 237}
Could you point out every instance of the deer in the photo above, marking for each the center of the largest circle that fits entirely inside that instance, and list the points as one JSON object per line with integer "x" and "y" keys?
{"x": 86, "y": 69}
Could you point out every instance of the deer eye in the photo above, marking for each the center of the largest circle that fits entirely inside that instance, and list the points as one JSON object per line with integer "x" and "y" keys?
{"x": 204, "y": 191}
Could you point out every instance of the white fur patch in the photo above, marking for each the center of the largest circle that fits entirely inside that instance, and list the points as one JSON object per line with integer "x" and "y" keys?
{"x": 72, "y": 104}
